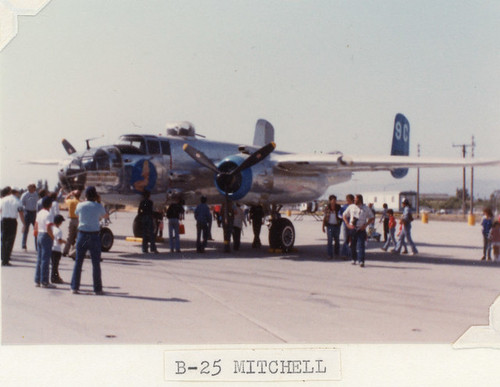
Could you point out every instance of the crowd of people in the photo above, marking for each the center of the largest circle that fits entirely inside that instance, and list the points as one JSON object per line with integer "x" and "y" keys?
{"x": 41, "y": 211}
{"x": 355, "y": 218}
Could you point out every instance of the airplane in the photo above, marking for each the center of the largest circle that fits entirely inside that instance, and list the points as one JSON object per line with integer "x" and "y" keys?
{"x": 184, "y": 165}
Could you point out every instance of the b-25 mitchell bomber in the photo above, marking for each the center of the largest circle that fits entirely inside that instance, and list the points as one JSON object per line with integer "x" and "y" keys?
{"x": 181, "y": 165}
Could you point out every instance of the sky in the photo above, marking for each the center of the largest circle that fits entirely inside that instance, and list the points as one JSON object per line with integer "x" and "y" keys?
{"x": 329, "y": 75}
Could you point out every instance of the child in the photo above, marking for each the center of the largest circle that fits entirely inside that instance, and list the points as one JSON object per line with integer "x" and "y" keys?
{"x": 486, "y": 224}
{"x": 57, "y": 249}
{"x": 494, "y": 239}
{"x": 391, "y": 230}
{"x": 401, "y": 236}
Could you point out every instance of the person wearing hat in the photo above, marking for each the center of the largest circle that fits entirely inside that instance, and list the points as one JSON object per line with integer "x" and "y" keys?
{"x": 45, "y": 238}
{"x": 406, "y": 220}
{"x": 57, "y": 249}
{"x": 89, "y": 214}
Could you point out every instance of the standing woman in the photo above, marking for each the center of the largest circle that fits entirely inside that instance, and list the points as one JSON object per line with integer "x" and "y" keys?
{"x": 88, "y": 239}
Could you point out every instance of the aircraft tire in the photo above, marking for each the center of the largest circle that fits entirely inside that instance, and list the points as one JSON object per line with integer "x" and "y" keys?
{"x": 107, "y": 239}
{"x": 282, "y": 235}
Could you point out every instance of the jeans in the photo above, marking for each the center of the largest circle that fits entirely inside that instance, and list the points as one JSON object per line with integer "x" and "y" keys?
{"x": 29, "y": 218}
{"x": 346, "y": 251}
{"x": 406, "y": 234}
{"x": 87, "y": 241}
{"x": 201, "y": 228}
{"x": 358, "y": 245}
{"x": 391, "y": 238}
{"x": 486, "y": 247}
{"x": 173, "y": 234}
{"x": 333, "y": 234}
{"x": 44, "y": 253}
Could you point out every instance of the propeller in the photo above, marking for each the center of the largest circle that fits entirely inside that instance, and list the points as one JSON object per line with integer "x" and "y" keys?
{"x": 227, "y": 179}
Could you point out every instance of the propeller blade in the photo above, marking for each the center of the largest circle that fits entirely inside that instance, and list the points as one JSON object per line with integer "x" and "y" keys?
{"x": 200, "y": 157}
{"x": 68, "y": 147}
{"x": 255, "y": 158}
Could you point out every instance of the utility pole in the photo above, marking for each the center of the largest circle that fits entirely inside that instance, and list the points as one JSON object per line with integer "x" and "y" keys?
{"x": 464, "y": 153}
{"x": 473, "y": 144}
{"x": 418, "y": 184}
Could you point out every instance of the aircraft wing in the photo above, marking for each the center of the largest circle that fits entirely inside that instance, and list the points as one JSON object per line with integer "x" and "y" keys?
{"x": 331, "y": 163}
{"x": 42, "y": 162}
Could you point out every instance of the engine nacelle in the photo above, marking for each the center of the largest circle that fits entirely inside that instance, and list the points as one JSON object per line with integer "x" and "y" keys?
{"x": 236, "y": 186}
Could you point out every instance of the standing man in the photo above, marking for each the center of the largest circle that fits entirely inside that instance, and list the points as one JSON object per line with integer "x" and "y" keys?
{"x": 331, "y": 224}
{"x": 29, "y": 200}
{"x": 384, "y": 219}
{"x": 202, "y": 216}
{"x": 239, "y": 221}
{"x": 256, "y": 218}
{"x": 175, "y": 213}
{"x": 346, "y": 251}
{"x": 406, "y": 220}
{"x": 72, "y": 200}
{"x": 10, "y": 208}
{"x": 145, "y": 211}
{"x": 88, "y": 239}
{"x": 357, "y": 218}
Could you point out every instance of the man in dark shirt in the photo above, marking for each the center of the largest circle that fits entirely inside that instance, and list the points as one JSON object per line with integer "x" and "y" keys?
{"x": 145, "y": 211}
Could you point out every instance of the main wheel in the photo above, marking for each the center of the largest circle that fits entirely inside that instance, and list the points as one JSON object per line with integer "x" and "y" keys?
{"x": 282, "y": 234}
{"x": 107, "y": 239}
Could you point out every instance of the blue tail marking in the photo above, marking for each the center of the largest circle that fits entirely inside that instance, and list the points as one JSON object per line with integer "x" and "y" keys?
{"x": 400, "y": 143}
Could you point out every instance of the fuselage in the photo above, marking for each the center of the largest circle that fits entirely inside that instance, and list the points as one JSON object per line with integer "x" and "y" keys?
{"x": 121, "y": 172}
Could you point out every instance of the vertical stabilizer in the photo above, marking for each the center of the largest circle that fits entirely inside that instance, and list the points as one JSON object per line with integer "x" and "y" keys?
{"x": 400, "y": 143}
{"x": 264, "y": 133}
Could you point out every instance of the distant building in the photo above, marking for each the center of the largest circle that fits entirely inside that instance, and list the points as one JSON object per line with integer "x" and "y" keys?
{"x": 394, "y": 199}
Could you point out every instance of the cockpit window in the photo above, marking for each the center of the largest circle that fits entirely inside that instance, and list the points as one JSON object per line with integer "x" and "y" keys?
{"x": 165, "y": 147}
{"x": 153, "y": 147}
{"x": 132, "y": 141}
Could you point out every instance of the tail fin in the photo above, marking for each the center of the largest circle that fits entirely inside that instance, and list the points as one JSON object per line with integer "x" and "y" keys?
{"x": 264, "y": 133}
{"x": 400, "y": 143}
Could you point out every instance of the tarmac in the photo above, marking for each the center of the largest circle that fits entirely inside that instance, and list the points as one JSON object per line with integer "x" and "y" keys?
{"x": 254, "y": 296}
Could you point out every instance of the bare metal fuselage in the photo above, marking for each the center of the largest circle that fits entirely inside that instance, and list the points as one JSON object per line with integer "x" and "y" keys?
{"x": 110, "y": 169}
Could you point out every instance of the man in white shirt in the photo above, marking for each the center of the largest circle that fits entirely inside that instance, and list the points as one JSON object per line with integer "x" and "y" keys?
{"x": 357, "y": 217}
{"x": 10, "y": 208}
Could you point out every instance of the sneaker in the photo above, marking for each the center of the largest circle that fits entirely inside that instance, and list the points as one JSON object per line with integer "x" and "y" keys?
{"x": 383, "y": 249}
{"x": 73, "y": 291}
{"x": 48, "y": 286}
{"x": 57, "y": 281}
{"x": 37, "y": 284}
{"x": 362, "y": 264}
{"x": 354, "y": 262}
{"x": 414, "y": 253}
{"x": 99, "y": 293}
